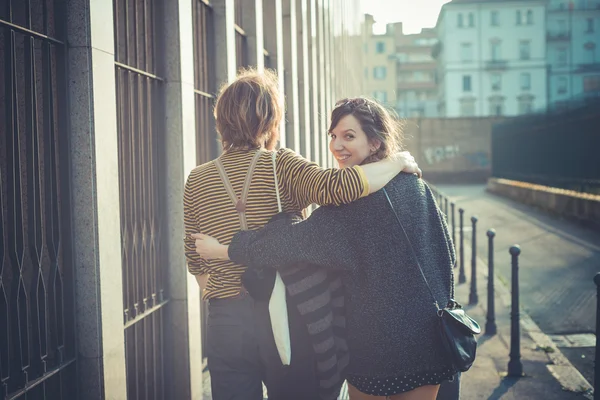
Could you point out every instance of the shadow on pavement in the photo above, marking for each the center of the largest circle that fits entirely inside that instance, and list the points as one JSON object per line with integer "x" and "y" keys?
{"x": 505, "y": 385}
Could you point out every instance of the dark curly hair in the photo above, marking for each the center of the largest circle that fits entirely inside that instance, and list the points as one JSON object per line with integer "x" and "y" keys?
{"x": 379, "y": 124}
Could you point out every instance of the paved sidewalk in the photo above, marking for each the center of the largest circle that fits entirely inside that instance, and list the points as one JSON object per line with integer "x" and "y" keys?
{"x": 539, "y": 355}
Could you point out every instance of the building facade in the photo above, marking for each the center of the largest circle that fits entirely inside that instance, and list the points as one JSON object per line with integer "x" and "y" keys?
{"x": 491, "y": 58}
{"x": 380, "y": 65}
{"x": 573, "y": 37}
{"x": 416, "y": 73}
{"x": 400, "y": 71}
{"x": 105, "y": 107}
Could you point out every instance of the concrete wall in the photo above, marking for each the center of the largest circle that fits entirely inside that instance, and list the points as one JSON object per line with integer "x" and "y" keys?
{"x": 451, "y": 149}
{"x": 582, "y": 207}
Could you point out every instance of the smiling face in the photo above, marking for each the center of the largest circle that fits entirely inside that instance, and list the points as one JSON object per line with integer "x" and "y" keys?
{"x": 348, "y": 142}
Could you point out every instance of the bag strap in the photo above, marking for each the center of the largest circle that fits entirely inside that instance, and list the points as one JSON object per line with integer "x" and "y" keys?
{"x": 239, "y": 203}
{"x": 412, "y": 249}
{"x": 273, "y": 156}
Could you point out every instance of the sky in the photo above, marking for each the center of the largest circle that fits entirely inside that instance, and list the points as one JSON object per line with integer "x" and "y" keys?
{"x": 415, "y": 14}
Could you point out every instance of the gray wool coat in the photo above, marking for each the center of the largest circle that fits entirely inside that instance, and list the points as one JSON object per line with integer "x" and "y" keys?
{"x": 392, "y": 326}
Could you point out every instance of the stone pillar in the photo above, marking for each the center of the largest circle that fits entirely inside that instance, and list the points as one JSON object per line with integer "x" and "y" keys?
{"x": 328, "y": 74}
{"x": 290, "y": 43}
{"x": 305, "y": 128}
{"x": 183, "y": 357}
{"x": 321, "y": 88}
{"x": 314, "y": 82}
{"x": 96, "y": 225}
{"x": 252, "y": 21}
{"x": 224, "y": 36}
{"x": 273, "y": 34}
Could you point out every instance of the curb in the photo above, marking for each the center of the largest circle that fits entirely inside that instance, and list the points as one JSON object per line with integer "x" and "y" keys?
{"x": 559, "y": 366}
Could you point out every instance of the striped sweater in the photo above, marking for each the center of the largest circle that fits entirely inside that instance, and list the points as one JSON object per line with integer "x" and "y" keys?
{"x": 208, "y": 209}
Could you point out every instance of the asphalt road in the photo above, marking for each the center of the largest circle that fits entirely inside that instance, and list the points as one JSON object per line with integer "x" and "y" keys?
{"x": 558, "y": 261}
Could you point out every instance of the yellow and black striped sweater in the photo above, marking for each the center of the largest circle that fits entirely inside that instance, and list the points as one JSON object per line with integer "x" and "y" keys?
{"x": 209, "y": 210}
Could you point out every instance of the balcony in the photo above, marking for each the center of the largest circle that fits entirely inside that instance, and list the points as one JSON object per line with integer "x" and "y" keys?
{"x": 590, "y": 67}
{"x": 405, "y": 85}
{"x": 417, "y": 66}
{"x": 496, "y": 65}
{"x": 575, "y": 7}
{"x": 558, "y": 36}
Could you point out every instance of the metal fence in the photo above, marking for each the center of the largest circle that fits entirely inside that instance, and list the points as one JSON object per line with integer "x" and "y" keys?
{"x": 139, "y": 90}
{"x": 37, "y": 353}
{"x": 557, "y": 149}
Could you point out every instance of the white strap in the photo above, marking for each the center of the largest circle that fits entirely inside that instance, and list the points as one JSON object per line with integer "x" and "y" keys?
{"x": 273, "y": 156}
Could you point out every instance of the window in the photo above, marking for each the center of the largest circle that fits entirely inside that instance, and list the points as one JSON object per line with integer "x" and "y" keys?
{"x": 525, "y": 106}
{"x": 467, "y": 107}
{"x": 471, "y": 19}
{"x": 380, "y": 96}
{"x": 529, "y": 17}
{"x": 561, "y": 86}
{"x": 466, "y": 52}
{"x": 379, "y": 73}
{"x": 495, "y": 18}
{"x": 525, "y": 81}
{"x": 589, "y": 25}
{"x": 497, "y": 109}
{"x": 562, "y": 26}
{"x": 561, "y": 56}
{"x": 496, "y": 80}
{"x": 496, "y": 50}
{"x": 460, "y": 21}
{"x": 380, "y": 47}
{"x": 591, "y": 84}
{"x": 466, "y": 83}
{"x": 525, "y": 49}
{"x": 589, "y": 53}
{"x": 519, "y": 17}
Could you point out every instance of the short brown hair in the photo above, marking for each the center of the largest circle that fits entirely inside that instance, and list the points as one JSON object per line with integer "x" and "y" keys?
{"x": 376, "y": 121}
{"x": 248, "y": 111}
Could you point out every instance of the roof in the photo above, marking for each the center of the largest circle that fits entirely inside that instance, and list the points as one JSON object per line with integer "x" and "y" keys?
{"x": 459, "y": 2}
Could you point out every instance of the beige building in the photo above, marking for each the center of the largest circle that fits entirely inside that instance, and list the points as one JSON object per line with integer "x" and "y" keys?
{"x": 401, "y": 70}
{"x": 380, "y": 65}
{"x": 105, "y": 108}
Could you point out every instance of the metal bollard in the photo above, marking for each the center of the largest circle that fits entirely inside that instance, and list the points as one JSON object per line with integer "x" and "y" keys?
{"x": 473, "y": 297}
{"x": 461, "y": 274}
{"x": 490, "y": 323}
{"x": 515, "y": 367}
{"x": 597, "y": 359}
{"x": 453, "y": 228}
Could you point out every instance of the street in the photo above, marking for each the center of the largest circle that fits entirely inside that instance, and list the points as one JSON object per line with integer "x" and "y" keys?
{"x": 558, "y": 261}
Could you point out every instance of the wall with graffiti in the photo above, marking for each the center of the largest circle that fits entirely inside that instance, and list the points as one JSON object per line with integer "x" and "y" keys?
{"x": 451, "y": 149}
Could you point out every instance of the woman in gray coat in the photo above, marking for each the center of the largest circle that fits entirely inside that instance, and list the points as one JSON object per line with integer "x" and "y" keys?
{"x": 391, "y": 321}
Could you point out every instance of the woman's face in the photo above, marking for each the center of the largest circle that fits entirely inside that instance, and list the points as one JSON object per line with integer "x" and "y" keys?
{"x": 348, "y": 143}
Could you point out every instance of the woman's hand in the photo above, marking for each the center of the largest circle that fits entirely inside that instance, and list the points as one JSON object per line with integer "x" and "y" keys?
{"x": 408, "y": 161}
{"x": 209, "y": 248}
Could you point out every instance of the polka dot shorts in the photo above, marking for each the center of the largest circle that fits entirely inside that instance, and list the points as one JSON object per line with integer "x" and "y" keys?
{"x": 398, "y": 384}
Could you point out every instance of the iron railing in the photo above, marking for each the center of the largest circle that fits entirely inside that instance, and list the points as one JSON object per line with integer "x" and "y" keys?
{"x": 37, "y": 324}
{"x": 241, "y": 42}
{"x": 557, "y": 148}
{"x": 139, "y": 90}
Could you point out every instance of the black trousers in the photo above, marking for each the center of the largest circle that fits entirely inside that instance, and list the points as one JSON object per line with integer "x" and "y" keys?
{"x": 242, "y": 354}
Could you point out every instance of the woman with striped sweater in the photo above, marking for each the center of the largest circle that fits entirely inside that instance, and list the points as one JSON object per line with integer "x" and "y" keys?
{"x": 237, "y": 191}
{"x": 390, "y": 328}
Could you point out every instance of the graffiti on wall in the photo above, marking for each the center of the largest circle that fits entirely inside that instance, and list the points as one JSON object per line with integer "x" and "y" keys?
{"x": 434, "y": 155}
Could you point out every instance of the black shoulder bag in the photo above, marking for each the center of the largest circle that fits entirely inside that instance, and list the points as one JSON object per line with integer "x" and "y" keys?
{"x": 457, "y": 329}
